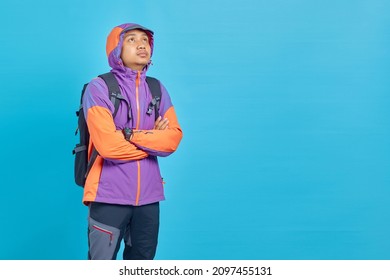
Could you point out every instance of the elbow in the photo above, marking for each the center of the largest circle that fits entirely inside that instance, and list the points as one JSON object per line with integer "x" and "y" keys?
{"x": 104, "y": 153}
{"x": 107, "y": 152}
{"x": 176, "y": 139}
{"x": 170, "y": 146}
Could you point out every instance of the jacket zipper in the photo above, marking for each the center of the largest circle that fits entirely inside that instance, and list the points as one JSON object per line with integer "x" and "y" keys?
{"x": 137, "y": 99}
{"x": 137, "y": 81}
{"x": 104, "y": 231}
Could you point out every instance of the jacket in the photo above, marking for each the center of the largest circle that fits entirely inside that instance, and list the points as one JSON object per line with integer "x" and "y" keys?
{"x": 127, "y": 172}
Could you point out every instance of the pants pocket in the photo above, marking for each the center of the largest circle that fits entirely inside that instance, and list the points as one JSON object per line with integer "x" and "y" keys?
{"x": 103, "y": 240}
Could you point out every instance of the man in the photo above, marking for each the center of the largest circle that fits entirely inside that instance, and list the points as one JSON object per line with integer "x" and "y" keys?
{"x": 124, "y": 185}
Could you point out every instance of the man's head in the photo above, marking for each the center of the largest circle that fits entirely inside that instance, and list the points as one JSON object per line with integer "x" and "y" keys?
{"x": 136, "y": 50}
{"x": 130, "y": 45}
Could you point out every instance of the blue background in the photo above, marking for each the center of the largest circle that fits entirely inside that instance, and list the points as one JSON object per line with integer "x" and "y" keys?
{"x": 284, "y": 107}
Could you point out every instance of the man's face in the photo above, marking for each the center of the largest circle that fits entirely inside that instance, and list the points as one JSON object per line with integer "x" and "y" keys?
{"x": 135, "y": 49}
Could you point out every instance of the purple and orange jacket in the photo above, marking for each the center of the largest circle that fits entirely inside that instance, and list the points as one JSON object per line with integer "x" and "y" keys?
{"x": 127, "y": 172}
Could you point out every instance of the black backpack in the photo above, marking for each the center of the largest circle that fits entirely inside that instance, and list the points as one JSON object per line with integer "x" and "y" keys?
{"x": 82, "y": 165}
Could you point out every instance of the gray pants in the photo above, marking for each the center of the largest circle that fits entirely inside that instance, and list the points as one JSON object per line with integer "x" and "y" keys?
{"x": 108, "y": 224}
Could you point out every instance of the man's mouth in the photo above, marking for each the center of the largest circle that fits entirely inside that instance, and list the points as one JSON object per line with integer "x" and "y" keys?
{"x": 142, "y": 54}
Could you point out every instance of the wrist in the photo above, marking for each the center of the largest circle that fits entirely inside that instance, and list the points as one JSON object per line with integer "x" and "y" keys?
{"x": 128, "y": 133}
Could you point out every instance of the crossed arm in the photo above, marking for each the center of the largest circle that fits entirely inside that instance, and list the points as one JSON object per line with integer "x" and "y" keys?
{"x": 111, "y": 144}
{"x": 163, "y": 139}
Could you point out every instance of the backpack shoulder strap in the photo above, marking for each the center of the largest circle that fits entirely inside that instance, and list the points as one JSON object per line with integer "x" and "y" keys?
{"x": 155, "y": 89}
{"x": 113, "y": 90}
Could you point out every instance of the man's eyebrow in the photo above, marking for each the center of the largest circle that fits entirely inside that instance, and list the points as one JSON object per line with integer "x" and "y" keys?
{"x": 128, "y": 34}
{"x": 134, "y": 34}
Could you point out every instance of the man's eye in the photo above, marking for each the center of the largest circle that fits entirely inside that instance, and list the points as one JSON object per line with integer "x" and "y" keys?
{"x": 131, "y": 40}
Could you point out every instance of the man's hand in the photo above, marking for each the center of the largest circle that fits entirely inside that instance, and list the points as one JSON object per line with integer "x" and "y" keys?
{"x": 161, "y": 123}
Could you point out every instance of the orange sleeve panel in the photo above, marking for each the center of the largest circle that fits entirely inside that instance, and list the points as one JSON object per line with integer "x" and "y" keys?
{"x": 160, "y": 142}
{"x": 109, "y": 142}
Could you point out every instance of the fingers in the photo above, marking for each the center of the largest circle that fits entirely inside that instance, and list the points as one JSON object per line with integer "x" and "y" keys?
{"x": 156, "y": 123}
{"x": 161, "y": 124}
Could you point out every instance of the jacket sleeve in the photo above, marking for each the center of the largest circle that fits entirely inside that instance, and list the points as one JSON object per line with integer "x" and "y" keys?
{"x": 108, "y": 141}
{"x": 160, "y": 142}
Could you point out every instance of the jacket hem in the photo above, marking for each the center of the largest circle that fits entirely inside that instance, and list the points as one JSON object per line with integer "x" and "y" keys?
{"x": 86, "y": 201}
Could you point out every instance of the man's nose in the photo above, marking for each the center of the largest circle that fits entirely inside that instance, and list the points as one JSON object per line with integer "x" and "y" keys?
{"x": 141, "y": 45}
